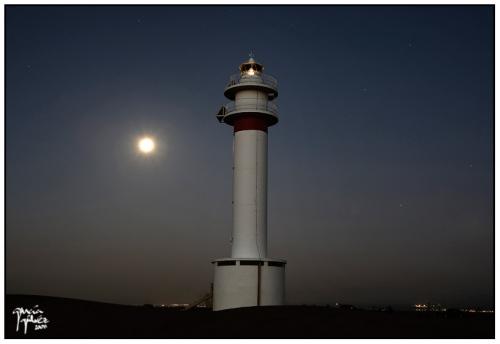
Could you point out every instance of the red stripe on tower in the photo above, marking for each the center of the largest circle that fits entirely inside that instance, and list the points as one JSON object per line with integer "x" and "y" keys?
{"x": 250, "y": 122}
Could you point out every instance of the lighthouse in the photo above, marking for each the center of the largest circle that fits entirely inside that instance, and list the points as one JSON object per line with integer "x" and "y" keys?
{"x": 249, "y": 277}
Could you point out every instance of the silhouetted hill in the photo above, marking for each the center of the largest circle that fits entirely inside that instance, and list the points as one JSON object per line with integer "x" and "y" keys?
{"x": 70, "y": 318}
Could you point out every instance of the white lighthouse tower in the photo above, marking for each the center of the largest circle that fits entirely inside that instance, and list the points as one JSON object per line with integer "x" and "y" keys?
{"x": 249, "y": 277}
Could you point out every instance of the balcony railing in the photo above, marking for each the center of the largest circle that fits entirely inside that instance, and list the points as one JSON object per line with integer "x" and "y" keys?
{"x": 265, "y": 79}
{"x": 266, "y": 106}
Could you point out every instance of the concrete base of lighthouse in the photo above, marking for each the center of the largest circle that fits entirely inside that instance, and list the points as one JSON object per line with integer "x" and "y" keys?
{"x": 245, "y": 282}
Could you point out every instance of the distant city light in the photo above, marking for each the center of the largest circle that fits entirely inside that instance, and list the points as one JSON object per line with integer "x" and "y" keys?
{"x": 424, "y": 307}
{"x": 429, "y": 307}
{"x": 472, "y": 310}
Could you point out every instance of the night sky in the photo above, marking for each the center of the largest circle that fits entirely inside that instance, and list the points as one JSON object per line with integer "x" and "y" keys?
{"x": 380, "y": 169}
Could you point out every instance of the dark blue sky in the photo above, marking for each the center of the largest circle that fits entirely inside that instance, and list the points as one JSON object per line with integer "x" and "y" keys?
{"x": 381, "y": 168}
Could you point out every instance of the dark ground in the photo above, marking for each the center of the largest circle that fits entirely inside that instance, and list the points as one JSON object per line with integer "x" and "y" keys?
{"x": 70, "y": 318}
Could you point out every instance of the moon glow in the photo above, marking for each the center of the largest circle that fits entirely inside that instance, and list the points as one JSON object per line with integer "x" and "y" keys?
{"x": 146, "y": 145}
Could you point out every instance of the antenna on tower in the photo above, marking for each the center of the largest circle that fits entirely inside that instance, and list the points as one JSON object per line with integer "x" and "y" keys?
{"x": 251, "y": 57}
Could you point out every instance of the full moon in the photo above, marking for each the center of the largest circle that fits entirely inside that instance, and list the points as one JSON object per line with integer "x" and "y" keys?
{"x": 146, "y": 145}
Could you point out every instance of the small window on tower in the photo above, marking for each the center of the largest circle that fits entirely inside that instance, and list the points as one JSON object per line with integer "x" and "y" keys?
{"x": 279, "y": 264}
{"x": 251, "y": 262}
{"x": 226, "y": 263}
